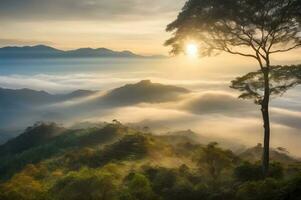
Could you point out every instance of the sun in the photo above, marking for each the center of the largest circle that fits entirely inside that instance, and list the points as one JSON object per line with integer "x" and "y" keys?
{"x": 192, "y": 50}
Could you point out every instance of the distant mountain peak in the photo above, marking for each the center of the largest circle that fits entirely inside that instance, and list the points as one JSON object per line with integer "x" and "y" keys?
{"x": 41, "y": 46}
{"x": 144, "y": 82}
{"x": 104, "y": 49}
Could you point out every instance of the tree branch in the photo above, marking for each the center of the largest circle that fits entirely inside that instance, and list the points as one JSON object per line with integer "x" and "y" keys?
{"x": 284, "y": 50}
{"x": 238, "y": 53}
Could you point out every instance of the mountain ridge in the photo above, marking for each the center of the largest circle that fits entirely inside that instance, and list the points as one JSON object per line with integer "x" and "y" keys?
{"x": 17, "y": 104}
{"x": 44, "y": 51}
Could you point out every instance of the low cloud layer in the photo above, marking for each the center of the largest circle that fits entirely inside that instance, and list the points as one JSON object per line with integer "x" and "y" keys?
{"x": 217, "y": 102}
{"x": 213, "y": 112}
{"x": 70, "y": 82}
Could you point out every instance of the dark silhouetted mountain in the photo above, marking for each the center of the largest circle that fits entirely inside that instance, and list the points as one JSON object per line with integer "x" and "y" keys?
{"x": 11, "y": 98}
{"x": 42, "y": 51}
{"x": 22, "y": 97}
{"x": 39, "y": 51}
{"x": 100, "y": 52}
{"x": 21, "y": 107}
{"x": 143, "y": 92}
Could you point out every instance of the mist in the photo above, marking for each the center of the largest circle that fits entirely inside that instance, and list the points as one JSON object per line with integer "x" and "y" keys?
{"x": 210, "y": 108}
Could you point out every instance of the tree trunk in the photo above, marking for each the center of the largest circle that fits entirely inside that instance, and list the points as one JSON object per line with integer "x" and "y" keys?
{"x": 266, "y": 122}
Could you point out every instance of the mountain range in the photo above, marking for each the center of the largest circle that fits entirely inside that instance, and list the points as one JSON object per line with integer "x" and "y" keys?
{"x": 43, "y": 51}
{"x": 142, "y": 91}
{"x": 20, "y": 107}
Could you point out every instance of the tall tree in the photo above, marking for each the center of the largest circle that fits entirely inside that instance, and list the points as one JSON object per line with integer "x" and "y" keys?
{"x": 252, "y": 28}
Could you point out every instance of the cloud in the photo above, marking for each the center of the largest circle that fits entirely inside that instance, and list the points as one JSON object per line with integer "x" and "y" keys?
{"x": 218, "y": 102}
{"x": 286, "y": 117}
{"x": 97, "y": 81}
{"x": 88, "y": 9}
{"x": 61, "y": 83}
{"x": 234, "y": 130}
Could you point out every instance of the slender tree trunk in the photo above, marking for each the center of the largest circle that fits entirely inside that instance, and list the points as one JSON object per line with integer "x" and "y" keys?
{"x": 266, "y": 121}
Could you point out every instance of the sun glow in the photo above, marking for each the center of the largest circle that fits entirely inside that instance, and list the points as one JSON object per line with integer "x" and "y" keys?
{"x": 192, "y": 50}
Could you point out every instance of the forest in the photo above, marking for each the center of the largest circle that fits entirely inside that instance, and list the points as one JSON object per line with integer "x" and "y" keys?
{"x": 112, "y": 161}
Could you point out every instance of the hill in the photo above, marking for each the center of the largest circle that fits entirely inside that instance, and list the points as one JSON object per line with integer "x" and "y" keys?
{"x": 42, "y": 51}
{"x": 116, "y": 162}
{"x": 34, "y": 136}
{"x": 20, "y": 107}
{"x": 143, "y": 92}
{"x": 45, "y": 140}
{"x": 14, "y": 98}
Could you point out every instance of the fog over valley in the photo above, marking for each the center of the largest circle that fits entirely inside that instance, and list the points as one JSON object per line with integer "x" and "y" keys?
{"x": 142, "y": 93}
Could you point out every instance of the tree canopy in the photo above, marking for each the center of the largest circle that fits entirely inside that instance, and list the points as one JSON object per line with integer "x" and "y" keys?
{"x": 249, "y": 28}
{"x": 282, "y": 78}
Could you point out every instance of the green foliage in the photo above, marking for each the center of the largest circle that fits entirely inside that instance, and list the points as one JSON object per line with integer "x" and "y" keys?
{"x": 39, "y": 133}
{"x": 129, "y": 147}
{"x": 129, "y": 168}
{"x": 291, "y": 189}
{"x": 282, "y": 78}
{"x": 248, "y": 172}
{"x": 271, "y": 189}
{"x": 138, "y": 187}
{"x": 252, "y": 172}
{"x": 176, "y": 184}
{"x": 85, "y": 185}
{"x": 23, "y": 186}
{"x": 215, "y": 159}
{"x": 13, "y": 161}
{"x": 162, "y": 179}
{"x": 267, "y": 189}
{"x": 98, "y": 136}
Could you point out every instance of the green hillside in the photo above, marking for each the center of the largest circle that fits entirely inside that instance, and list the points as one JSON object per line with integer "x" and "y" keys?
{"x": 116, "y": 162}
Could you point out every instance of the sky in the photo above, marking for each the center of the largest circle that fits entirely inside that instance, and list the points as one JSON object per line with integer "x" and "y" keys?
{"x": 137, "y": 25}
